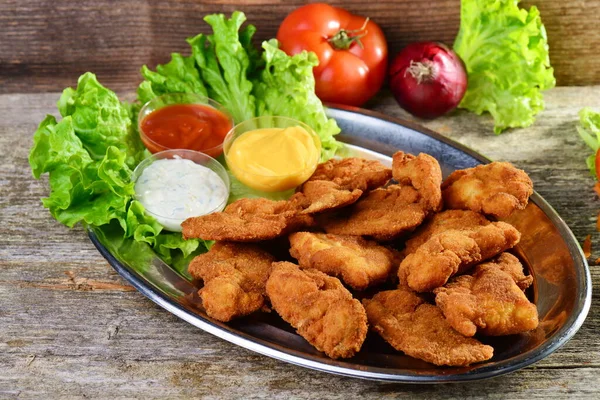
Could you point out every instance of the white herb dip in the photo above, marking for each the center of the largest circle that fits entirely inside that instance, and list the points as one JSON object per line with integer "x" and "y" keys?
{"x": 174, "y": 189}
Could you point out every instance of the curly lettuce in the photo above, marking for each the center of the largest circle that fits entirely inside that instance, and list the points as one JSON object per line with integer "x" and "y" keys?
{"x": 178, "y": 76}
{"x": 100, "y": 120}
{"x": 589, "y": 130}
{"x": 89, "y": 156}
{"x": 505, "y": 51}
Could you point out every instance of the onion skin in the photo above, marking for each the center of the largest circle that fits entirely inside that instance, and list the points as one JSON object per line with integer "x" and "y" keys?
{"x": 428, "y": 79}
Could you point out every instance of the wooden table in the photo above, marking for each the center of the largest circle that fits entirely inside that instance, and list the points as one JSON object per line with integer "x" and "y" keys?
{"x": 70, "y": 326}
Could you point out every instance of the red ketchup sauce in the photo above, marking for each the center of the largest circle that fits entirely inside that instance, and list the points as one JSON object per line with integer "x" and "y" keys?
{"x": 185, "y": 126}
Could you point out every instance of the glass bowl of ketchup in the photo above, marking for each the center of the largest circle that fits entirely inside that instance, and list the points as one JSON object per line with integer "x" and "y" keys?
{"x": 184, "y": 121}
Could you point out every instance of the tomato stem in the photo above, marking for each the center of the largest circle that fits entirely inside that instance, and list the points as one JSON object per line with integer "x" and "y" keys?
{"x": 423, "y": 71}
{"x": 344, "y": 38}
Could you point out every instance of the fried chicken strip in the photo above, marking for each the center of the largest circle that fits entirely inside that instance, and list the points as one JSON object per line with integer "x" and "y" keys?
{"x": 495, "y": 189}
{"x": 358, "y": 262}
{"x": 490, "y": 301}
{"x": 422, "y": 172}
{"x": 320, "y": 308}
{"x": 452, "y": 252}
{"x": 443, "y": 221}
{"x": 419, "y": 330}
{"x": 248, "y": 220}
{"x": 234, "y": 276}
{"x": 353, "y": 173}
{"x": 386, "y": 213}
{"x": 383, "y": 214}
{"x": 322, "y": 196}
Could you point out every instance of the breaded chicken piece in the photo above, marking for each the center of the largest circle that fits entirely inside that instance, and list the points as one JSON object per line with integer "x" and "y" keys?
{"x": 489, "y": 301}
{"x": 422, "y": 172}
{"x": 353, "y": 173}
{"x": 454, "y": 251}
{"x": 383, "y": 214}
{"x": 443, "y": 221}
{"x": 234, "y": 276}
{"x": 513, "y": 267}
{"x": 386, "y": 213}
{"x": 420, "y": 330}
{"x": 320, "y": 308}
{"x": 358, "y": 262}
{"x": 495, "y": 189}
{"x": 322, "y": 196}
{"x": 248, "y": 220}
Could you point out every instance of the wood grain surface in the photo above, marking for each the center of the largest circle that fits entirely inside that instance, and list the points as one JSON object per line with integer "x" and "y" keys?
{"x": 46, "y": 44}
{"x": 71, "y": 327}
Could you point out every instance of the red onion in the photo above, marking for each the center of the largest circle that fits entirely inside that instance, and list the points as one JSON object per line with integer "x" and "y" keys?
{"x": 428, "y": 79}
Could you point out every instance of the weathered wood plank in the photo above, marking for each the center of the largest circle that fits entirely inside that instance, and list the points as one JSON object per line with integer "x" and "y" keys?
{"x": 70, "y": 326}
{"x": 45, "y": 45}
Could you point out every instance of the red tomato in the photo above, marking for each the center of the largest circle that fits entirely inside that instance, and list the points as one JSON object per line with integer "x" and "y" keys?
{"x": 352, "y": 51}
{"x": 597, "y": 163}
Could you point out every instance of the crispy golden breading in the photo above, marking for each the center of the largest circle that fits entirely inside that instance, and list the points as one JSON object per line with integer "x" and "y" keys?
{"x": 320, "y": 308}
{"x": 513, "y": 267}
{"x": 489, "y": 301}
{"x": 454, "y": 251}
{"x": 419, "y": 330}
{"x": 326, "y": 195}
{"x": 422, "y": 172}
{"x": 353, "y": 173}
{"x": 495, "y": 189}
{"x": 358, "y": 262}
{"x": 386, "y": 213}
{"x": 234, "y": 276}
{"x": 248, "y": 220}
{"x": 443, "y": 221}
{"x": 383, "y": 214}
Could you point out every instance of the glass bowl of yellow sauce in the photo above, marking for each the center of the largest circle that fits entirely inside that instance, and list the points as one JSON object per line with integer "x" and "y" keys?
{"x": 272, "y": 154}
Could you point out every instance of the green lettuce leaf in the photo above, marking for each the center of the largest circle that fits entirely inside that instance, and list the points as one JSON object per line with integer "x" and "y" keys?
{"x": 224, "y": 62}
{"x": 287, "y": 88}
{"x": 589, "y": 130}
{"x": 505, "y": 51}
{"x": 138, "y": 255}
{"x": 94, "y": 189}
{"x": 54, "y": 145}
{"x": 178, "y": 76}
{"x": 100, "y": 120}
{"x": 81, "y": 189}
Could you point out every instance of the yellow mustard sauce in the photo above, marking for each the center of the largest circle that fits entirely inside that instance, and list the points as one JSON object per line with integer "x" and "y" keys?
{"x": 274, "y": 159}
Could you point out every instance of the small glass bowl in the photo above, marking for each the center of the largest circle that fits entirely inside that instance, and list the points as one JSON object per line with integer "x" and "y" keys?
{"x": 179, "y": 98}
{"x": 280, "y": 183}
{"x": 174, "y": 224}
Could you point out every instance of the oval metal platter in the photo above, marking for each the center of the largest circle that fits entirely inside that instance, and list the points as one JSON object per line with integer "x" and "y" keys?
{"x": 561, "y": 290}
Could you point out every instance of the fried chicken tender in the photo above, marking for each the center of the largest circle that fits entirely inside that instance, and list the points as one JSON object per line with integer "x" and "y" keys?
{"x": 383, "y": 214}
{"x": 440, "y": 222}
{"x": 358, "y": 262}
{"x": 513, "y": 267}
{"x": 248, "y": 220}
{"x": 495, "y": 189}
{"x": 386, "y": 213}
{"x": 419, "y": 330}
{"x": 353, "y": 173}
{"x": 490, "y": 301}
{"x": 421, "y": 172}
{"x": 320, "y": 308}
{"x": 234, "y": 276}
{"x": 326, "y": 195}
{"x": 452, "y": 252}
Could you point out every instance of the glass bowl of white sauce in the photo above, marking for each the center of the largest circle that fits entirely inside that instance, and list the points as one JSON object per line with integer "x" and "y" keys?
{"x": 174, "y": 185}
